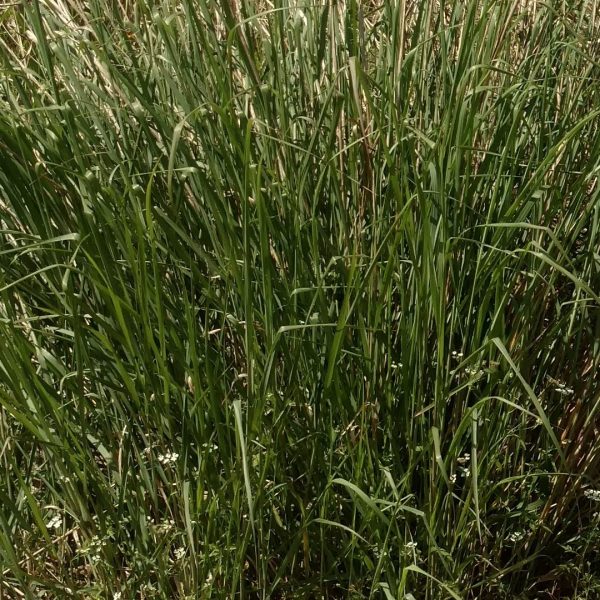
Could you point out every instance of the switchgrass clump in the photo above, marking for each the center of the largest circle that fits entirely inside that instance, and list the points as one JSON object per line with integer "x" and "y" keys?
{"x": 299, "y": 300}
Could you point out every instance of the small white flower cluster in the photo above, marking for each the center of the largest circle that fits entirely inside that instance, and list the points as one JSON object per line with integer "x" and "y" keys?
{"x": 117, "y": 596}
{"x": 55, "y": 522}
{"x": 165, "y": 526}
{"x": 457, "y": 355}
{"x": 179, "y": 553}
{"x": 592, "y": 495}
{"x": 563, "y": 390}
{"x": 410, "y": 545}
{"x": 516, "y": 536}
{"x": 474, "y": 371}
{"x": 168, "y": 458}
{"x": 464, "y": 459}
{"x": 463, "y": 468}
{"x": 148, "y": 449}
{"x": 464, "y": 462}
{"x": 94, "y": 549}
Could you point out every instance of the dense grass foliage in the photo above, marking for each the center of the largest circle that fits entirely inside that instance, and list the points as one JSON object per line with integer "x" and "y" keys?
{"x": 299, "y": 301}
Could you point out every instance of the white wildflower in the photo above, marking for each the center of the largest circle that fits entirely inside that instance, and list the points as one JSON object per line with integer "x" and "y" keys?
{"x": 55, "y": 522}
{"x": 516, "y": 536}
{"x": 93, "y": 549}
{"x": 464, "y": 459}
{"x": 168, "y": 458}
{"x": 166, "y": 526}
{"x": 592, "y": 495}
{"x": 562, "y": 388}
